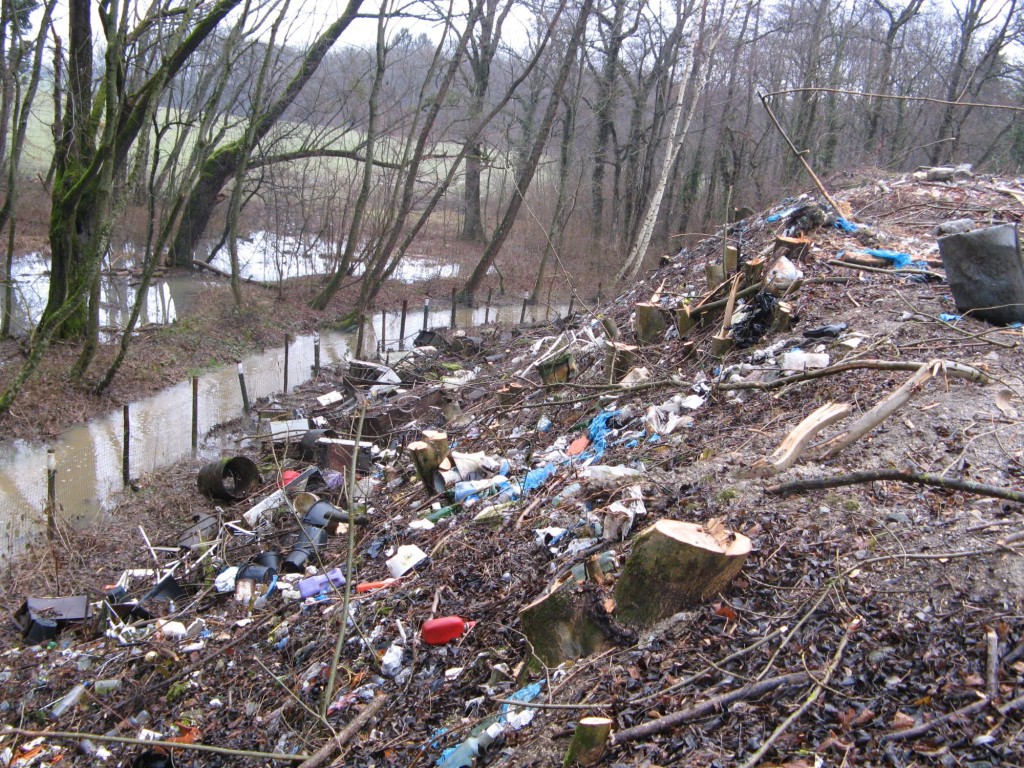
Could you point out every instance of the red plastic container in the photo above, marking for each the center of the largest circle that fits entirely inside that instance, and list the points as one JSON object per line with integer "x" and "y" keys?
{"x": 444, "y": 629}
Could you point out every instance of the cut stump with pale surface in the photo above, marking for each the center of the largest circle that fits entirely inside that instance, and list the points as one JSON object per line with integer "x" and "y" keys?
{"x": 674, "y": 566}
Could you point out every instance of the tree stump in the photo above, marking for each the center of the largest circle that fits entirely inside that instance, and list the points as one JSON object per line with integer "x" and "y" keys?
{"x": 589, "y": 742}
{"x": 715, "y": 275}
{"x": 618, "y": 359}
{"x": 649, "y": 323}
{"x": 569, "y": 622}
{"x": 730, "y": 259}
{"x": 429, "y": 454}
{"x": 675, "y": 566}
{"x": 685, "y": 320}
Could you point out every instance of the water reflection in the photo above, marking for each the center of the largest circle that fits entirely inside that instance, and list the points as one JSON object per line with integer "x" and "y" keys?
{"x": 165, "y": 298}
{"x": 262, "y": 256}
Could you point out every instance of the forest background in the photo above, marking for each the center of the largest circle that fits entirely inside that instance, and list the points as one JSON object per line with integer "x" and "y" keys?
{"x": 561, "y": 140}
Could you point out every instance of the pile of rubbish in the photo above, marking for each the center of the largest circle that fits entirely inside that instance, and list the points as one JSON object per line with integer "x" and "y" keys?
{"x": 572, "y": 544}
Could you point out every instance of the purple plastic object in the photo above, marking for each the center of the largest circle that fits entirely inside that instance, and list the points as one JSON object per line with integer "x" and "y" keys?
{"x": 320, "y": 583}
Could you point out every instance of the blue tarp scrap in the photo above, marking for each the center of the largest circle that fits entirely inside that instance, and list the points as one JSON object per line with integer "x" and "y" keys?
{"x": 781, "y": 214}
{"x": 598, "y": 432}
{"x": 899, "y": 260}
{"x": 535, "y": 478}
{"x": 846, "y": 226}
{"x": 946, "y": 317}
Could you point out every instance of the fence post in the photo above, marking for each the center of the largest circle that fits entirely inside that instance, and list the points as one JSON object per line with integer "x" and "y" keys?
{"x": 245, "y": 393}
{"x": 126, "y": 472}
{"x": 195, "y": 415}
{"x": 401, "y": 325}
{"x": 455, "y": 293}
{"x": 51, "y": 493}
{"x": 426, "y": 313}
{"x": 287, "y": 341}
{"x": 487, "y": 306}
{"x": 359, "y": 337}
{"x": 572, "y": 301}
{"x": 316, "y": 356}
{"x": 384, "y": 333}
{"x": 522, "y": 314}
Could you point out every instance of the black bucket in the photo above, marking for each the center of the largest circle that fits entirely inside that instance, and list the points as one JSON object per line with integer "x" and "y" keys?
{"x": 230, "y": 479}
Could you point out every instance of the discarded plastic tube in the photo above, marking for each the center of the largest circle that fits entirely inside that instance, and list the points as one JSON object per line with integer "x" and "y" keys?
{"x": 370, "y": 586}
{"x": 444, "y": 629}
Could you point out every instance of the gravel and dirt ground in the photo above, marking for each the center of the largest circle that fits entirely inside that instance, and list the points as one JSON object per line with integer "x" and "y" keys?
{"x": 873, "y": 623}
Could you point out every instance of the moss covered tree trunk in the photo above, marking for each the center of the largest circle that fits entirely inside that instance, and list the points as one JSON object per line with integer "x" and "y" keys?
{"x": 223, "y": 163}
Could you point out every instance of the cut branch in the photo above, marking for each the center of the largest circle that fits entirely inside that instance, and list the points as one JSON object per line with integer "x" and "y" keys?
{"x": 789, "y": 450}
{"x": 914, "y": 478}
{"x": 711, "y": 706}
{"x": 950, "y": 368}
{"x": 882, "y": 410}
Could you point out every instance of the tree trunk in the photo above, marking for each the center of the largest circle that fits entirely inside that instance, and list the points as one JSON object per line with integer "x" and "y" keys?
{"x": 220, "y": 166}
{"x": 525, "y": 176}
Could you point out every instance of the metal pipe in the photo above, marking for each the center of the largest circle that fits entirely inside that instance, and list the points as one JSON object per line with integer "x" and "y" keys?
{"x": 522, "y": 314}
{"x": 426, "y": 313}
{"x": 487, "y": 306}
{"x": 316, "y": 354}
{"x": 455, "y": 293}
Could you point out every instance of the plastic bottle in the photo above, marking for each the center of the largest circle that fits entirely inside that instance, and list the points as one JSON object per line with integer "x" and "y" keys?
{"x": 320, "y": 583}
{"x": 444, "y": 629}
{"x": 465, "y": 754}
{"x": 71, "y": 698}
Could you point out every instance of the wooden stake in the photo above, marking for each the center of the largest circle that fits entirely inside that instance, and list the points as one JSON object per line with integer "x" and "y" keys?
{"x": 195, "y": 414}
{"x": 126, "y": 446}
{"x": 401, "y": 325}
{"x": 287, "y": 343}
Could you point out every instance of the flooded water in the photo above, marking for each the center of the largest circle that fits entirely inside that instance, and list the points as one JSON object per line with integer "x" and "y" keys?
{"x": 89, "y": 456}
{"x": 262, "y": 256}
